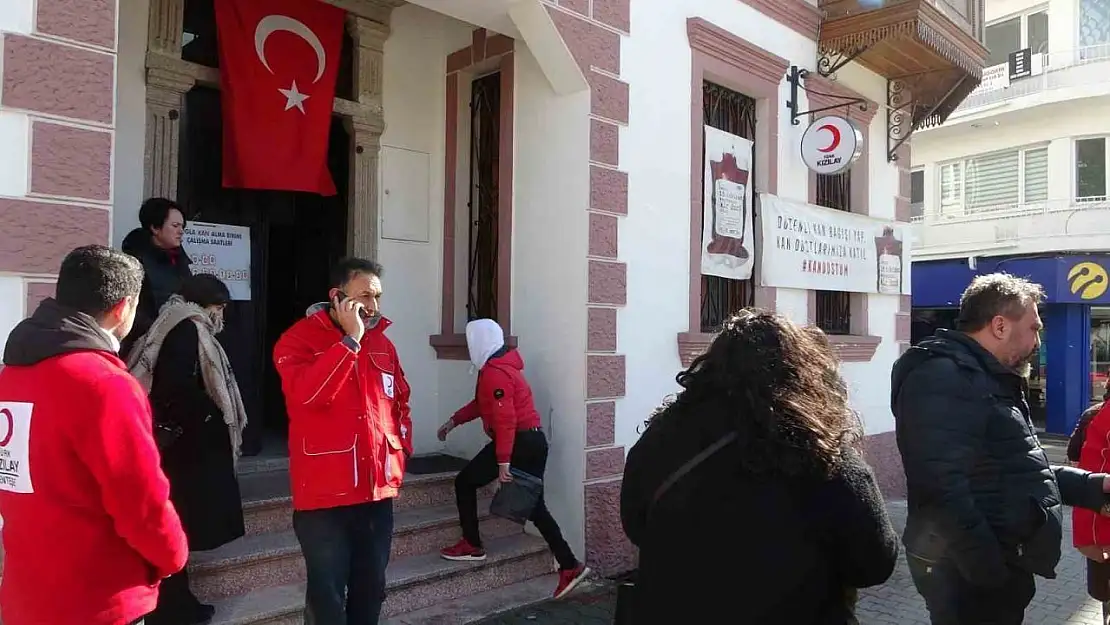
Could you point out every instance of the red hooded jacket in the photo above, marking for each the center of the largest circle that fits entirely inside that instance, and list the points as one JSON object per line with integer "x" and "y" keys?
{"x": 88, "y": 526}
{"x": 1088, "y": 526}
{"x": 503, "y": 399}
{"x": 350, "y": 433}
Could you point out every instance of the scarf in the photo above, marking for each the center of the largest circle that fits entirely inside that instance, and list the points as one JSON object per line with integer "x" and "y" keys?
{"x": 219, "y": 379}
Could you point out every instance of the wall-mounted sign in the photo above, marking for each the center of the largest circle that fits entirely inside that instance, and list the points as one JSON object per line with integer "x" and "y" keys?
{"x": 831, "y": 145}
{"x": 1021, "y": 64}
{"x": 726, "y": 236}
{"x": 223, "y": 251}
{"x": 815, "y": 248}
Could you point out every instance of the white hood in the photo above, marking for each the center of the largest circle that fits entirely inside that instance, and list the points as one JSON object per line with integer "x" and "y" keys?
{"x": 483, "y": 338}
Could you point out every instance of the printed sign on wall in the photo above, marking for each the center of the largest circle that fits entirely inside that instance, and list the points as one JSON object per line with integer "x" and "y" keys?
{"x": 726, "y": 239}
{"x": 815, "y": 248}
{"x": 223, "y": 251}
{"x": 15, "y": 446}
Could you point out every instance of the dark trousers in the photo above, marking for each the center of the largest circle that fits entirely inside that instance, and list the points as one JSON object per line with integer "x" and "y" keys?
{"x": 345, "y": 551}
{"x": 953, "y": 601}
{"x": 530, "y": 456}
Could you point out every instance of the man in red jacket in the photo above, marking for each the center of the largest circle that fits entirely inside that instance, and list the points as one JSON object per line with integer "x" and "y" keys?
{"x": 503, "y": 400}
{"x": 350, "y": 435}
{"x": 89, "y": 530}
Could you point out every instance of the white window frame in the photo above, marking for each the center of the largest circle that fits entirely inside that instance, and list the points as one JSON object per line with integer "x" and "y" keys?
{"x": 1075, "y": 170}
{"x": 960, "y": 209}
{"x": 1024, "y": 28}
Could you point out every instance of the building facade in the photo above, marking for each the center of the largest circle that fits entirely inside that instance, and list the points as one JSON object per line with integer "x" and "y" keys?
{"x": 536, "y": 162}
{"x": 1016, "y": 180}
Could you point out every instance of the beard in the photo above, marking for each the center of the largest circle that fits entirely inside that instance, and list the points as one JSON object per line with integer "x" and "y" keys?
{"x": 1023, "y": 366}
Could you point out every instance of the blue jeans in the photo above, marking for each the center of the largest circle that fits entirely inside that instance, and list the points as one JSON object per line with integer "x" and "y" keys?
{"x": 345, "y": 551}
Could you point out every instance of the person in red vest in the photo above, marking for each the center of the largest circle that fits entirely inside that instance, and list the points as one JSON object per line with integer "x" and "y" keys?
{"x": 89, "y": 530}
{"x": 350, "y": 435}
{"x": 503, "y": 401}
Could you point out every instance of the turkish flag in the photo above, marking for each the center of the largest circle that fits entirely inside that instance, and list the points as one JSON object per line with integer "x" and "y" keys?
{"x": 278, "y": 64}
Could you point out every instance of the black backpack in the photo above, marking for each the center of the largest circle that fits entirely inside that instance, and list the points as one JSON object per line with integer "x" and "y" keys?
{"x": 1075, "y": 442}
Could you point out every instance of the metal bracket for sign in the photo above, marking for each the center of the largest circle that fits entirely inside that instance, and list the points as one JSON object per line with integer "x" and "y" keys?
{"x": 796, "y": 76}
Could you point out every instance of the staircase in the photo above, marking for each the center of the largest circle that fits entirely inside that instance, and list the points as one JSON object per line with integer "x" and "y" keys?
{"x": 259, "y": 579}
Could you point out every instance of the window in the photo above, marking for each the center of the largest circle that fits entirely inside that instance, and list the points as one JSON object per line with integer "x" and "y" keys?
{"x": 1094, "y": 25}
{"x": 1090, "y": 169}
{"x": 485, "y": 124}
{"x": 997, "y": 181}
{"x": 834, "y": 308}
{"x": 732, "y": 112}
{"x": 1017, "y": 33}
{"x": 917, "y": 194}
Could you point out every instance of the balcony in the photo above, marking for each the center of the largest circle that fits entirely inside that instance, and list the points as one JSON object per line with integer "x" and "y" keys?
{"x": 930, "y": 51}
{"x": 1070, "y": 224}
{"x": 1058, "y": 75}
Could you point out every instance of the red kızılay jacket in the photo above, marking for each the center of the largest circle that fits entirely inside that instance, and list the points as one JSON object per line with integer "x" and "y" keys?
{"x": 89, "y": 530}
{"x": 350, "y": 433}
{"x": 503, "y": 399}
{"x": 1088, "y": 526}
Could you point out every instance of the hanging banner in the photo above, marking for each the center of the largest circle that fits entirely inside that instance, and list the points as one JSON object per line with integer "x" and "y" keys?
{"x": 223, "y": 251}
{"x": 726, "y": 239}
{"x": 815, "y": 248}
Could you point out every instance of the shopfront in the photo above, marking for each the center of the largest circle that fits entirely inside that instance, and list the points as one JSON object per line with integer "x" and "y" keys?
{"x": 1072, "y": 368}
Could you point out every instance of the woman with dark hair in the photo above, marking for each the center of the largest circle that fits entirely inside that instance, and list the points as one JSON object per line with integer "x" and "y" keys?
{"x": 747, "y": 494}
{"x": 199, "y": 420}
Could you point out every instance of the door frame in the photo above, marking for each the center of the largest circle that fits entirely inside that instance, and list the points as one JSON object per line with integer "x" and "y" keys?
{"x": 169, "y": 78}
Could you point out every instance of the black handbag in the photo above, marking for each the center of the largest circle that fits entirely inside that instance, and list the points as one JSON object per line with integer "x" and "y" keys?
{"x": 625, "y": 590}
{"x": 517, "y": 499}
{"x": 165, "y": 434}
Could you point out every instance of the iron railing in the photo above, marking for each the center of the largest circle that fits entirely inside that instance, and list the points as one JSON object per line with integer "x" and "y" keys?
{"x": 1057, "y": 69}
{"x": 485, "y": 108}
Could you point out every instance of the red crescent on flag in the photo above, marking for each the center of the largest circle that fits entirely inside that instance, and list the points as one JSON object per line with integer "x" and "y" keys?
{"x": 835, "y": 132}
{"x": 7, "y": 414}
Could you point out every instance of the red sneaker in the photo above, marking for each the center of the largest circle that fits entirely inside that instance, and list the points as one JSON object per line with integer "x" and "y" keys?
{"x": 463, "y": 551}
{"x": 569, "y": 579}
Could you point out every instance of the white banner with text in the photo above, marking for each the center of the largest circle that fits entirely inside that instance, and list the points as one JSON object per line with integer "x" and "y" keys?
{"x": 815, "y": 248}
{"x": 223, "y": 251}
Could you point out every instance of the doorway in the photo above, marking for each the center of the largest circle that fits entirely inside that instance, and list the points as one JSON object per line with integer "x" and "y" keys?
{"x": 295, "y": 239}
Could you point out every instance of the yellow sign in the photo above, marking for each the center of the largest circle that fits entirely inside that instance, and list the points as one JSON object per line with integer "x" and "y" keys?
{"x": 1088, "y": 280}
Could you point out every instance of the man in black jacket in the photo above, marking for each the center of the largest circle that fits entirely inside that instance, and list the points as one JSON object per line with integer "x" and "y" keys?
{"x": 984, "y": 504}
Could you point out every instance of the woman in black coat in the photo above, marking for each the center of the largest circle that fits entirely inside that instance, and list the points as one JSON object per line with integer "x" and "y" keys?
{"x": 782, "y": 521}
{"x": 192, "y": 391}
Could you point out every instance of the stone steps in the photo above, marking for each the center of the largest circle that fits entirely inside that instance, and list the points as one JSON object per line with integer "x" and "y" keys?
{"x": 259, "y": 579}
{"x": 274, "y": 558}
{"x": 414, "y": 583}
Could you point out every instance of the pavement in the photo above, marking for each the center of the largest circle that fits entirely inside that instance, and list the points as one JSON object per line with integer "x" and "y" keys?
{"x": 1062, "y": 601}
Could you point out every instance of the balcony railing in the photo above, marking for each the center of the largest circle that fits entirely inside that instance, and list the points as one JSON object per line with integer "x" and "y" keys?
{"x": 1051, "y": 225}
{"x": 1051, "y": 70}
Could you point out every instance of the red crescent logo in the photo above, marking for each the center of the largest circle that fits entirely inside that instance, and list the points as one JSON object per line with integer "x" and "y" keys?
{"x": 835, "y": 132}
{"x": 7, "y": 414}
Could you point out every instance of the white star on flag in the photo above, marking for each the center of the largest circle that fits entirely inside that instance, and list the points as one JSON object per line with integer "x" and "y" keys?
{"x": 294, "y": 98}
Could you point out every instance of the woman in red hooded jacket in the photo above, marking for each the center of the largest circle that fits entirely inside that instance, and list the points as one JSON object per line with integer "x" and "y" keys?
{"x": 503, "y": 401}
{"x": 1091, "y": 530}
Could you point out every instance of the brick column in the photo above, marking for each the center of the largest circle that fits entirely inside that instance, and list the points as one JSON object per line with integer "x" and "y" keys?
{"x": 57, "y": 120}
{"x": 592, "y": 31}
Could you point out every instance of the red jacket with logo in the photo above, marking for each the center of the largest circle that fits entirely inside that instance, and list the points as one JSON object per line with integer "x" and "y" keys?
{"x": 350, "y": 432}
{"x": 503, "y": 399}
{"x": 88, "y": 526}
{"x": 1088, "y": 526}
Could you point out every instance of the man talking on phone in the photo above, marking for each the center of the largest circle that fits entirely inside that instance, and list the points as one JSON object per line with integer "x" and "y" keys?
{"x": 350, "y": 436}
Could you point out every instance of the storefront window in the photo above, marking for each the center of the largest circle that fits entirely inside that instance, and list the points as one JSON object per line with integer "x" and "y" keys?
{"x": 1100, "y": 351}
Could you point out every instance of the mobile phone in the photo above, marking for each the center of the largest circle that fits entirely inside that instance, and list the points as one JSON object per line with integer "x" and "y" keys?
{"x": 340, "y": 296}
